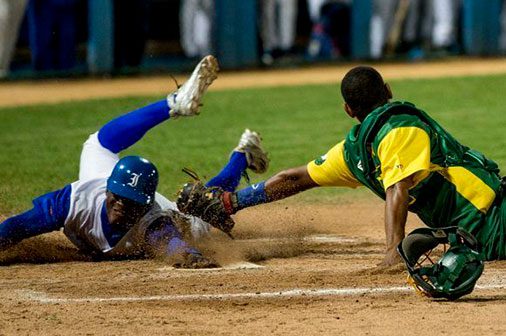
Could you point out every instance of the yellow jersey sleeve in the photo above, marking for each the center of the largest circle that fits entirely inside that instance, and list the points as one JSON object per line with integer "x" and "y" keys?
{"x": 403, "y": 152}
{"x": 331, "y": 169}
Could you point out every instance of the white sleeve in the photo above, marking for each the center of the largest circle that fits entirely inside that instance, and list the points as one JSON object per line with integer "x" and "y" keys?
{"x": 200, "y": 229}
{"x": 164, "y": 203}
{"x": 96, "y": 160}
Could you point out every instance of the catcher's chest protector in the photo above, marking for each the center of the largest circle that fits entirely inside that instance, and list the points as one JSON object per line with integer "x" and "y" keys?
{"x": 363, "y": 137}
{"x": 436, "y": 199}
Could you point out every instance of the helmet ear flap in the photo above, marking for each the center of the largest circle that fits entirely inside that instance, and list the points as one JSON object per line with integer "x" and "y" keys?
{"x": 468, "y": 239}
{"x": 456, "y": 271}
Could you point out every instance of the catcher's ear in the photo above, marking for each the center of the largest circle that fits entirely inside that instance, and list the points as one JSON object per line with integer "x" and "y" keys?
{"x": 348, "y": 110}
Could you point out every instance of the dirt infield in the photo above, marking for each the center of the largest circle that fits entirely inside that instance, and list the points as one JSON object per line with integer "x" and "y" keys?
{"x": 298, "y": 269}
{"x": 24, "y": 93}
{"x": 294, "y": 269}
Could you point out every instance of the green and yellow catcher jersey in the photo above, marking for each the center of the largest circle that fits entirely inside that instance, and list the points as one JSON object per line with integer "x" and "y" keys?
{"x": 453, "y": 185}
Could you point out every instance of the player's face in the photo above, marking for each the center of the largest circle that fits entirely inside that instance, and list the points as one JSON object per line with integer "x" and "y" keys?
{"x": 122, "y": 211}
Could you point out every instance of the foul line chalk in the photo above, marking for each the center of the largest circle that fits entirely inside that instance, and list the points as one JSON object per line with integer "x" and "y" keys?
{"x": 234, "y": 266}
{"x": 329, "y": 239}
{"x": 292, "y": 293}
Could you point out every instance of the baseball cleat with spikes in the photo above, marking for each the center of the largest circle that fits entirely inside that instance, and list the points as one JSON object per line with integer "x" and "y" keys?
{"x": 251, "y": 145}
{"x": 186, "y": 100}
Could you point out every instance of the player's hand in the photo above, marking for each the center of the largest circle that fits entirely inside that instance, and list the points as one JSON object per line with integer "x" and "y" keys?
{"x": 196, "y": 261}
{"x": 391, "y": 258}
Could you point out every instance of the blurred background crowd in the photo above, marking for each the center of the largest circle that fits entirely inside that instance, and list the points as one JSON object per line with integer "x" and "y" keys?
{"x": 62, "y": 37}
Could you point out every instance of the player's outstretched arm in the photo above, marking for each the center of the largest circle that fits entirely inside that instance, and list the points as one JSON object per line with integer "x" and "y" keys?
{"x": 216, "y": 206}
{"x": 287, "y": 183}
{"x": 282, "y": 185}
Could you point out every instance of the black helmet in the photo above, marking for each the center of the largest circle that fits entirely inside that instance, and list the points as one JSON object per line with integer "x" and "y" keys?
{"x": 454, "y": 274}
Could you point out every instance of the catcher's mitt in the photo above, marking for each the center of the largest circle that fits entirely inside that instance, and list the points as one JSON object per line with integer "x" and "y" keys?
{"x": 207, "y": 203}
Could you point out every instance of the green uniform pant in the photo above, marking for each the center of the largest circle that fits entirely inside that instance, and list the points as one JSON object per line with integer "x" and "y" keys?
{"x": 493, "y": 234}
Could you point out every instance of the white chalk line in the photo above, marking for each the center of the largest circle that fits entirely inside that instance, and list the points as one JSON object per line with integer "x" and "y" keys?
{"x": 330, "y": 239}
{"x": 291, "y": 293}
{"x": 323, "y": 238}
{"x": 235, "y": 266}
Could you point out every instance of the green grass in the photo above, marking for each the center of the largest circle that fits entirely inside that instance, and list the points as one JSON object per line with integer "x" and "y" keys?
{"x": 41, "y": 144}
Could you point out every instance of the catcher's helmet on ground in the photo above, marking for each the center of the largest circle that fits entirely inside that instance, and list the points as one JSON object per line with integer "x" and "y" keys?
{"x": 134, "y": 178}
{"x": 454, "y": 274}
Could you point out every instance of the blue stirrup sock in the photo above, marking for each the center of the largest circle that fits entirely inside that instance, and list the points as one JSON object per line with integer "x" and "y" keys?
{"x": 250, "y": 196}
{"x": 229, "y": 177}
{"x": 124, "y": 131}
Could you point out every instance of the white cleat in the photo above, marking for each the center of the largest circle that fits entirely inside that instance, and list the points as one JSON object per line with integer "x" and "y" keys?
{"x": 251, "y": 145}
{"x": 186, "y": 101}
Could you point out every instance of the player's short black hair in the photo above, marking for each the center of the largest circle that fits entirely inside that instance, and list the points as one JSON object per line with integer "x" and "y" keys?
{"x": 363, "y": 89}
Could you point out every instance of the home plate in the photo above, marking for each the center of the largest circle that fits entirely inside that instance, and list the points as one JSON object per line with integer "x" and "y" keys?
{"x": 234, "y": 266}
{"x": 243, "y": 265}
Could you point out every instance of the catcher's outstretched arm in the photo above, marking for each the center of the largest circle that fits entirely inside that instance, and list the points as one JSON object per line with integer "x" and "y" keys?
{"x": 215, "y": 206}
{"x": 288, "y": 182}
{"x": 282, "y": 185}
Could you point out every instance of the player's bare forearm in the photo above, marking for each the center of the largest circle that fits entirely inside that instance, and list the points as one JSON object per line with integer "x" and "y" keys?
{"x": 288, "y": 182}
{"x": 194, "y": 198}
{"x": 396, "y": 213}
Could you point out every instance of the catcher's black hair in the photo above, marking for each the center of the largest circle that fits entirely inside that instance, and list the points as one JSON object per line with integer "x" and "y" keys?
{"x": 363, "y": 90}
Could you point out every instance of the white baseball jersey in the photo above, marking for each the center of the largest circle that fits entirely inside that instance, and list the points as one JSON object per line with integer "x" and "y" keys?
{"x": 83, "y": 225}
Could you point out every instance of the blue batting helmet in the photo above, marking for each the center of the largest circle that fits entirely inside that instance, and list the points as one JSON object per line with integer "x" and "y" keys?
{"x": 134, "y": 178}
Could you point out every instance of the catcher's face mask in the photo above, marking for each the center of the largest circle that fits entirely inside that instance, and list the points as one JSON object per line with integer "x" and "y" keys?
{"x": 456, "y": 271}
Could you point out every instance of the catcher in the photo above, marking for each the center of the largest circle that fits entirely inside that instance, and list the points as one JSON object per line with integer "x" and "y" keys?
{"x": 113, "y": 211}
{"x": 402, "y": 155}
